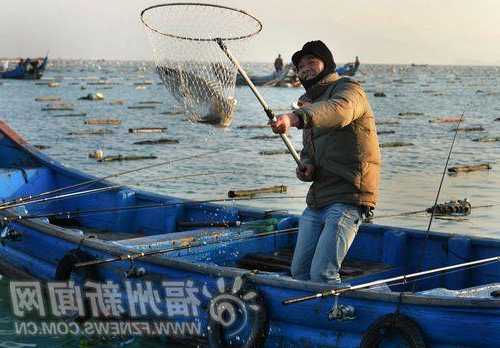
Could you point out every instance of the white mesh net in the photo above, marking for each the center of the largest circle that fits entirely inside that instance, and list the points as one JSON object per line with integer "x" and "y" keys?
{"x": 192, "y": 66}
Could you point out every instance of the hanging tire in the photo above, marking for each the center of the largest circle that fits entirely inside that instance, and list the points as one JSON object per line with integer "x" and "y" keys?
{"x": 238, "y": 319}
{"x": 66, "y": 267}
{"x": 392, "y": 328}
{"x": 66, "y": 271}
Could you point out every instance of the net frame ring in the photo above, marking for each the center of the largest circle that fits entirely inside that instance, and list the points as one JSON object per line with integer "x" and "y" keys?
{"x": 211, "y": 38}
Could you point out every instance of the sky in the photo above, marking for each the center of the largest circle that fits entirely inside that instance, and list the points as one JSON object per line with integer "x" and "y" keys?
{"x": 378, "y": 31}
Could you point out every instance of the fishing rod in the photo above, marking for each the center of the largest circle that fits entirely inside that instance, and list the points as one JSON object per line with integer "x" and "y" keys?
{"x": 388, "y": 281}
{"x": 93, "y": 181}
{"x": 131, "y": 257}
{"x": 98, "y": 190}
{"x": 78, "y": 213}
{"x": 270, "y": 114}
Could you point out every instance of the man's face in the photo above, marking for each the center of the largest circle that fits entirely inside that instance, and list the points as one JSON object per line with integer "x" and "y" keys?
{"x": 309, "y": 67}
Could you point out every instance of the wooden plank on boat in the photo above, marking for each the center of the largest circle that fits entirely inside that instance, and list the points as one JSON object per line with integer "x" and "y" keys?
{"x": 469, "y": 168}
{"x": 125, "y": 158}
{"x": 157, "y": 141}
{"x": 253, "y": 192}
{"x": 104, "y": 121}
{"x": 396, "y": 144}
{"x": 148, "y": 130}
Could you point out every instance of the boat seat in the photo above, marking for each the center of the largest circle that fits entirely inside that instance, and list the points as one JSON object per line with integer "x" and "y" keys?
{"x": 281, "y": 260}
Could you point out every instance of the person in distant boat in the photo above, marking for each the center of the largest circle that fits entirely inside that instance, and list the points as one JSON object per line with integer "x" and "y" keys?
{"x": 356, "y": 63}
{"x": 340, "y": 157}
{"x": 278, "y": 65}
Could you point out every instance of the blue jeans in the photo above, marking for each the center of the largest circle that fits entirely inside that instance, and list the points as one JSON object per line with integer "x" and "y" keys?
{"x": 324, "y": 238}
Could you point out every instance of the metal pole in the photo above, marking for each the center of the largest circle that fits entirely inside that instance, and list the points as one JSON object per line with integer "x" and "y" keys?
{"x": 270, "y": 114}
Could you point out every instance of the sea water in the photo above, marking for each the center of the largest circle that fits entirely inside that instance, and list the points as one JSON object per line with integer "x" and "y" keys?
{"x": 410, "y": 174}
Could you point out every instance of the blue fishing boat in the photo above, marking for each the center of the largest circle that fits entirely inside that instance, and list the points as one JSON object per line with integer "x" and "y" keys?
{"x": 29, "y": 69}
{"x": 407, "y": 288}
{"x": 288, "y": 77}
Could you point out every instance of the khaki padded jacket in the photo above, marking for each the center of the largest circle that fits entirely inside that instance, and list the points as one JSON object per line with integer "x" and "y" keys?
{"x": 340, "y": 140}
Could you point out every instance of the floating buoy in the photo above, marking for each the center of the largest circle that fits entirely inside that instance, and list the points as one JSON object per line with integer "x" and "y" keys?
{"x": 147, "y": 130}
{"x": 97, "y": 154}
{"x": 53, "y": 84}
{"x": 90, "y": 96}
{"x": 379, "y": 94}
{"x": 125, "y": 158}
{"x": 158, "y": 141}
{"x": 452, "y": 208}
{"x": 468, "y": 168}
{"x": 109, "y": 121}
{"x": 253, "y": 192}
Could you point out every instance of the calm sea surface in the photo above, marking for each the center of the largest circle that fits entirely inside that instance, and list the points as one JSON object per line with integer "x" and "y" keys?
{"x": 410, "y": 174}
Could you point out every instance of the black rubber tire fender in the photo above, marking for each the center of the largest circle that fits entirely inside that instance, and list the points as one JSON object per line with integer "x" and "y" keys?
{"x": 392, "y": 323}
{"x": 259, "y": 323}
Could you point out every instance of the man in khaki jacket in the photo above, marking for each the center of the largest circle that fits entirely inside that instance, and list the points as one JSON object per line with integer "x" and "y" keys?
{"x": 341, "y": 158}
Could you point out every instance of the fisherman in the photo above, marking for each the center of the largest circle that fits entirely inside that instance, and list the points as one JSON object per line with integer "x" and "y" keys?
{"x": 278, "y": 65}
{"x": 341, "y": 158}
{"x": 356, "y": 63}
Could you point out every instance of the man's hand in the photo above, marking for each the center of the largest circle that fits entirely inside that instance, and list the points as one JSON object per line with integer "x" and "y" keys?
{"x": 284, "y": 122}
{"x": 305, "y": 173}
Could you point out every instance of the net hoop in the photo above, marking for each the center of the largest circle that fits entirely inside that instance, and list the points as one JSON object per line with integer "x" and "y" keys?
{"x": 229, "y": 38}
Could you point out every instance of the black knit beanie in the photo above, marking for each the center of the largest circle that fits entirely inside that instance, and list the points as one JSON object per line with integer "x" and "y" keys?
{"x": 320, "y": 50}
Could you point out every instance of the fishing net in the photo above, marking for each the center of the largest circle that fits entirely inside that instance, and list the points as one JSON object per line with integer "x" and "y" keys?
{"x": 191, "y": 64}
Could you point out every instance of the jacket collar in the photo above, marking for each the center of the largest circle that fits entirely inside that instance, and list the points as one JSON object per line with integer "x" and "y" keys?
{"x": 320, "y": 87}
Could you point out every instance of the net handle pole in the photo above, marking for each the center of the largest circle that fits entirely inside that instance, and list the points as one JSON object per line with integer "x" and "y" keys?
{"x": 270, "y": 114}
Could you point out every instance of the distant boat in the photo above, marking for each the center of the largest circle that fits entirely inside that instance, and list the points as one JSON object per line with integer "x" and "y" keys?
{"x": 27, "y": 69}
{"x": 288, "y": 79}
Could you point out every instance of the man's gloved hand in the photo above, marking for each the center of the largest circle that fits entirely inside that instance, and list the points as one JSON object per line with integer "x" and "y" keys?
{"x": 306, "y": 173}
